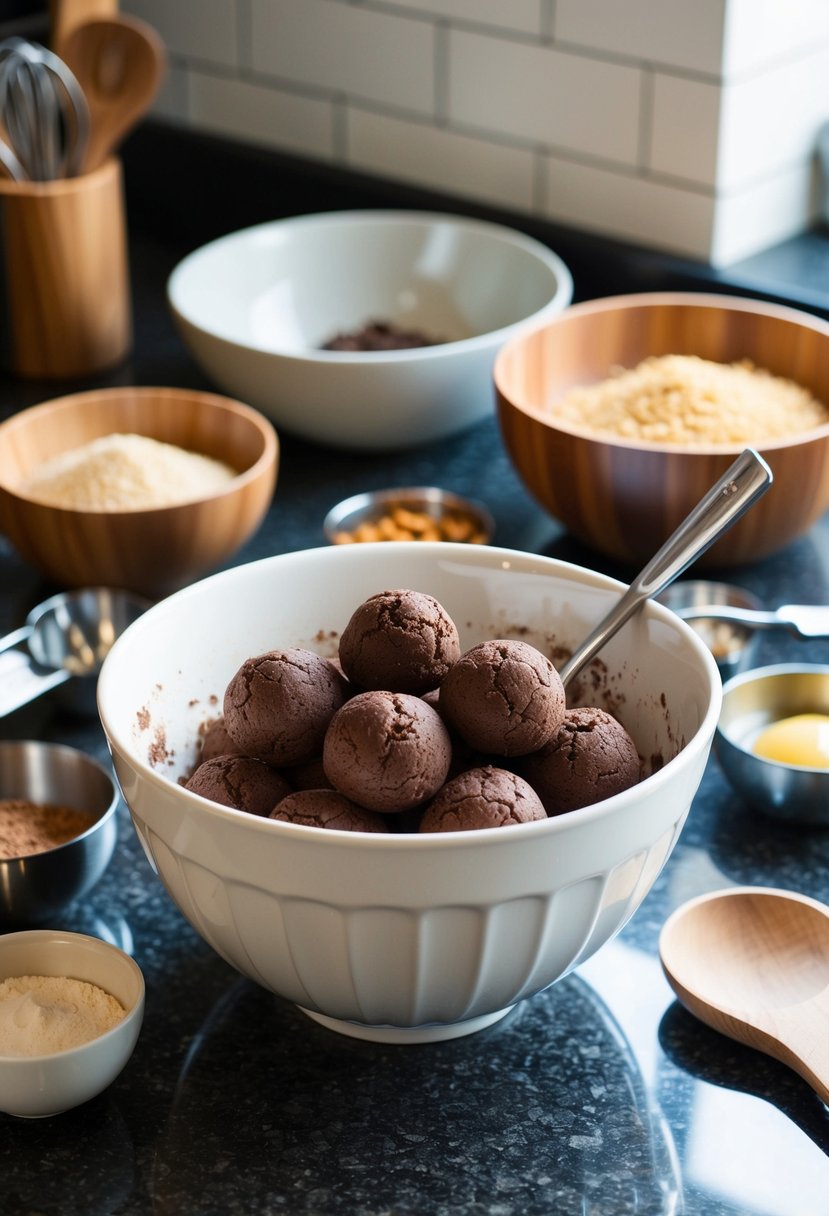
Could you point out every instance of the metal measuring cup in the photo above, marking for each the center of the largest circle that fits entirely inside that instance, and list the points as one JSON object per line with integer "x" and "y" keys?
{"x": 67, "y": 638}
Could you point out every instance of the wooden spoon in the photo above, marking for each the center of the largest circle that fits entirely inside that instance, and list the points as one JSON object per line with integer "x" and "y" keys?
{"x": 119, "y": 63}
{"x": 65, "y": 15}
{"x": 753, "y": 963}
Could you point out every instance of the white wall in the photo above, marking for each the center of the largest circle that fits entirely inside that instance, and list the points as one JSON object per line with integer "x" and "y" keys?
{"x": 685, "y": 125}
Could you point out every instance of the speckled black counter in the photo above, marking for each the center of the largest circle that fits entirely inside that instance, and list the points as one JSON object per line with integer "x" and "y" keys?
{"x": 600, "y": 1097}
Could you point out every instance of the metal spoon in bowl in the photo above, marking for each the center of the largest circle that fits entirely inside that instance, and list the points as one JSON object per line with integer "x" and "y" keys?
{"x": 753, "y": 963}
{"x": 739, "y": 487}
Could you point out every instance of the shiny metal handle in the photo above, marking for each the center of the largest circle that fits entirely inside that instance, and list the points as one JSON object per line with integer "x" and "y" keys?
{"x": 740, "y": 486}
{"x": 21, "y": 680}
{"x": 16, "y": 637}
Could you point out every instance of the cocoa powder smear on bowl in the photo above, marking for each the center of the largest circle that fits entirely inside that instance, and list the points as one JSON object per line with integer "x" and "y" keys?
{"x": 31, "y": 827}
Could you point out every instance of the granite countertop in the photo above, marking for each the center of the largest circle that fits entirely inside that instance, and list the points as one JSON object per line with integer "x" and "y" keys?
{"x": 599, "y": 1097}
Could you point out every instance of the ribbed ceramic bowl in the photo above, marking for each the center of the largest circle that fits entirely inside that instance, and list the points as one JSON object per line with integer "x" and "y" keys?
{"x": 406, "y": 938}
{"x": 256, "y": 306}
{"x": 625, "y": 498}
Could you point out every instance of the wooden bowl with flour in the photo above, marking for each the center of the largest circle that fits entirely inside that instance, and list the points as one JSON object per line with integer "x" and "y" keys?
{"x": 623, "y": 493}
{"x": 141, "y": 488}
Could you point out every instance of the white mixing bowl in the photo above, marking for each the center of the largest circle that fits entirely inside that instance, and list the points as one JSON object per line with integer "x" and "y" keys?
{"x": 396, "y": 937}
{"x": 254, "y": 308}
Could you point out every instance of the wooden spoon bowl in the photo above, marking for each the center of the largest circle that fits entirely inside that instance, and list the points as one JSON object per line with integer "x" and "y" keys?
{"x": 753, "y": 963}
{"x": 119, "y": 62}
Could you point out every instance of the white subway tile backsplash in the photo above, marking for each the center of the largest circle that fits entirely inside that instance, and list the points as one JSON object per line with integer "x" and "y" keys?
{"x": 684, "y": 128}
{"x": 771, "y": 119}
{"x": 629, "y": 207}
{"x": 440, "y": 159}
{"x": 346, "y": 49}
{"x": 198, "y": 29}
{"x": 172, "y": 100}
{"x": 762, "y": 32}
{"x": 519, "y": 16}
{"x": 540, "y": 96}
{"x": 685, "y": 34}
{"x": 687, "y": 125}
{"x": 770, "y": 211}
{"x": 256, "y": 114}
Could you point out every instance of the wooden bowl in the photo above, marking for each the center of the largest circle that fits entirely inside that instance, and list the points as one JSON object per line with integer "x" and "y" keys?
{"x": 151, "y": 551}
{"x": 624, "y": 498}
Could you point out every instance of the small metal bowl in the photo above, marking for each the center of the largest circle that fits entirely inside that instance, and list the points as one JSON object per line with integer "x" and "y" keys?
{"x": 371, "y": 517}
{"x": 754, "y": 700}
{"x": 35, "y": 887}
{"x": 732, "y": 645}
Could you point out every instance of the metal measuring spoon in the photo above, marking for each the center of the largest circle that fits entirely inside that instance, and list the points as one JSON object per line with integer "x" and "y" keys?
{"x": 66, "y": 636}
{"x": 740, "y": 486}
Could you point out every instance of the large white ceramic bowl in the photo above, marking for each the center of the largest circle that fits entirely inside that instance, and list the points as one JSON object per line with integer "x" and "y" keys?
{"x": 255, "y": 306}
{"x": 406, "y": 938}
{"x": 36, "y": 1086}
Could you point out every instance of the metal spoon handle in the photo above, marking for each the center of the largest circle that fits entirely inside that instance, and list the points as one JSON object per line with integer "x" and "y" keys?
{"x": 21, "y": 680}
{"x": 739, "y": 487}
{"x": 15, "y": 637}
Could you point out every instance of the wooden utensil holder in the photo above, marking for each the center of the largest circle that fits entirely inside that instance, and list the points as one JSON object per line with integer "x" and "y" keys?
{"x": 64, "y": 275}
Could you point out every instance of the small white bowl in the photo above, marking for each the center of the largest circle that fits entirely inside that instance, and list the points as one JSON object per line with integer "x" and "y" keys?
{"x": 388, "y": 936}
{"x": 254, "y": 308}
{"x": 35, "y": 1086}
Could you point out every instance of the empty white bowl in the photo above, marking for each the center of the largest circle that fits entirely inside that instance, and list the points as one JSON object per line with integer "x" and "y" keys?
{"x": 254, "y": 308}
{"x": 36, "y": 1086}
{"x": 389, "y": 936}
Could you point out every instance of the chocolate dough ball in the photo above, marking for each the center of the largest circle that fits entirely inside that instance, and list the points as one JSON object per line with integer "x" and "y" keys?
{"x": 399, "y": 641}
{"x": 387, "y": 751}
{"x": 591, "y": 757}
{"x": 240, "y": 782}
{"x": 328, "y": 809}
{"x": 278, "y": 705}
{"x": 503, "y": 698}
{"x": 217, "y": 742}
{"x": 307, "y": 776}
{"x": 482, "y": 798}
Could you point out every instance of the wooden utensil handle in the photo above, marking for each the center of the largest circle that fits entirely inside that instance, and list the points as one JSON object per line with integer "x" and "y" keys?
{"x": 65, "y": 15}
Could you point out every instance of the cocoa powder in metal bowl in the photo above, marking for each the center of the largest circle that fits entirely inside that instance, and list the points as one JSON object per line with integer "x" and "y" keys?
{"x": 31, "y": 827}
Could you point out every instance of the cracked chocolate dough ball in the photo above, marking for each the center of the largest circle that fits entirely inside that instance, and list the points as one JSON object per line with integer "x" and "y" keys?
{"x": 503, "y": 698}
{"x": 278, "y": 705}
{"x": 328, "y": 809}
{"x": 590, "y": 758}
{"x": 387, "y": 751}
{"x": 217, "y": 742}
{"x": 241, "y": 782}
{"x": 400, "y": 641}
{"x": 482, "y": 798}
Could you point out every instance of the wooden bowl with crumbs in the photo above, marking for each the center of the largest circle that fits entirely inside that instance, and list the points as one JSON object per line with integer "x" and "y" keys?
{"x": 621, "y": 453}
{"x": 141, "y": 488}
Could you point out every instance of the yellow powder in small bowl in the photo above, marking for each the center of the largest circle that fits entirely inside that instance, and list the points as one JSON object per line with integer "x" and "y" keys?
{"x": 685, "y": 399}
{"x": 125, "y": 472}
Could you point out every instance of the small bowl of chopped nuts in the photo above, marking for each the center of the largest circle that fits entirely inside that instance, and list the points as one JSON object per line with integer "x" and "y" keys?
{"x": 57, "y": 828}
{"x": 416, "y": 513}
